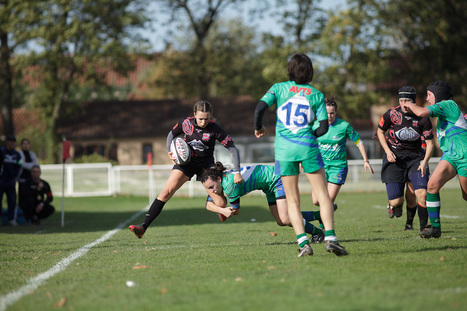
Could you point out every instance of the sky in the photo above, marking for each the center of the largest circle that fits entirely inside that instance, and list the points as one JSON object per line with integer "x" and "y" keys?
{"x": 267, "y": 24}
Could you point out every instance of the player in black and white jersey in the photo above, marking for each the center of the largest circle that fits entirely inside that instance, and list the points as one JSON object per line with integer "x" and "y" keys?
{"x": 200, "y": 133}
{"x": 405, "y": 161}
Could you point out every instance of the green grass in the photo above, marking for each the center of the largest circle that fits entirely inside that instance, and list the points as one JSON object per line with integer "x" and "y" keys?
{"x": 192, "y": 261}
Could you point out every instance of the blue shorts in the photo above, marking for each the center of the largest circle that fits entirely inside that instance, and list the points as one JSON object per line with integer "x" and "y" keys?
{"x": 396, "y": 190}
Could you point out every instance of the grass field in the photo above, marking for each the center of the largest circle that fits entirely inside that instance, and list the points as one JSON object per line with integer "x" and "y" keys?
{"x": 189, "y": 260}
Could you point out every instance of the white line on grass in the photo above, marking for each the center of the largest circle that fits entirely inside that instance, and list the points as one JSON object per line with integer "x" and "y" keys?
{"x": 37, "y": 281}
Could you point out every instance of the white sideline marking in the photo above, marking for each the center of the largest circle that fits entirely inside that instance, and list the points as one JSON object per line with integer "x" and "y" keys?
{"x": 34, "y": 283}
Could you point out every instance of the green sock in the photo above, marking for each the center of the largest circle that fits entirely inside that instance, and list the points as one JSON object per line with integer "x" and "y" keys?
{"x": 433, "y": 206}
{"x": 330, "y": 235}
{"x": 302, "y": 240}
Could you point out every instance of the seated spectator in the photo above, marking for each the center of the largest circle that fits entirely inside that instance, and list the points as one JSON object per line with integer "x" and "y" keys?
{"x": 39, "y": 196}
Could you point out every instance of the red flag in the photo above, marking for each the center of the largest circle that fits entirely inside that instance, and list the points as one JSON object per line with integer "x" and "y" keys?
{"x": 149, "y": 160}
{"x": 66, "y": 149}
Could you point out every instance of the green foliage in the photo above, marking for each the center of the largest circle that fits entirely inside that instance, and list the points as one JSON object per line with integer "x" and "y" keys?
{"x": 187, "y": 257}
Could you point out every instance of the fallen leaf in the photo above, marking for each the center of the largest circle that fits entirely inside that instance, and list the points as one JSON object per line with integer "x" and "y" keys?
{"x": 115, "y": 251}
{"x": 57, "y": 253}
{"x": 164, "y": 291}
{"x": 60, "y": 303}
{"x": 140, "y": 267}
{"x": 442, "y": 258}
{"x": 238, "y": 279}
{"x": 272, "y": 268}
{"x": 273, "y": 233}
{"x": 36, "y": 257}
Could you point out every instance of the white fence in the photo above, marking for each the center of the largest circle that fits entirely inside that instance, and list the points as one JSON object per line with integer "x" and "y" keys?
{"x": 103, "y": 179}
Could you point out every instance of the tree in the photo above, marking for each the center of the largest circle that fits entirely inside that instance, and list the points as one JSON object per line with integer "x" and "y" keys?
{"x": 201, "y": 15}
{"x": 376, "y": 46}
{"x": 78, "y": 41}
{"x": 18, "y": 18}
{"x": 234, "y": 65}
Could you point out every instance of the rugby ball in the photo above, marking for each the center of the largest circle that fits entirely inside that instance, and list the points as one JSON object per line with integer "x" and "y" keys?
{"x": 180, "y": 150}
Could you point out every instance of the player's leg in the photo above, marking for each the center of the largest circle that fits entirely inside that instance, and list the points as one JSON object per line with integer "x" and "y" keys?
{"x": 411, "y": 205}
{"x": 318, "y": 183}
{"x": 289, "y": 172}
{"x": 333, "y": 190}
{"x": 463, "y": 184}
{"x": 176, "y": 179}
{"x": 395, "y": 193}
{"x": 443, "y": 172}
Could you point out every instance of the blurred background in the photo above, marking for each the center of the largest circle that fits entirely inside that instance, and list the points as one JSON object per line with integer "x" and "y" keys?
{"x": 113, "y": 77}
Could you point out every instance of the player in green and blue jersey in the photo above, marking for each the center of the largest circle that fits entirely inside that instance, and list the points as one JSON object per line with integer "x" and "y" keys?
{"x": 299, "y": 105}
{"x": 255, "y": 177}
{"x": 451, "y": 130}
{"x": 333, "y": 148}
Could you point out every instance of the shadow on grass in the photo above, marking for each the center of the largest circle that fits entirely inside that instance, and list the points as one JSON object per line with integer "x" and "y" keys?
{"x": 76, "y": 221}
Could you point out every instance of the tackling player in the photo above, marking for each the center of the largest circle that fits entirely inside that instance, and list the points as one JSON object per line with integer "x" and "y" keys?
{"x": 451, "y": 130}
{"x": 218, "y": 181}
{"x": 200, "y": 133}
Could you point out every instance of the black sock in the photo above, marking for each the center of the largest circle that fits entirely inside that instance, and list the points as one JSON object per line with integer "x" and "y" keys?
{"x": 154, "y": 211}
{"x": 411, "y": 211}
{"x": 422, "y": 216}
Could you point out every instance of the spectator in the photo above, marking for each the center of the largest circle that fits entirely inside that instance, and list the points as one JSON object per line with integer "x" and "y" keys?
{"x": 39, "y": 196}
{"x": 9, "y": 173}
{"x": 28, "y": 160}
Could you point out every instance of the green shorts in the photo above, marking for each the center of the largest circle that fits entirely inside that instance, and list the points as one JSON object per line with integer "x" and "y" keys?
{"x": 293, "y": 168}
{"x": 460, "y": 165}
{"x": 336, "y": 174}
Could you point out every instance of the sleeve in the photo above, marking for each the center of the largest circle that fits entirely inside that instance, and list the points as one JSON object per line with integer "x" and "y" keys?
{"x": 270, "y": 97}
{"x": 436, "y": 110}
{"x": 427, "y": 129}
{"x": 321, "y": 112}
{"x": 28, "y": 165}
{"x": 48, "y": 192}
{"x": 261, "y": 108}
{"x": 235, "y": 157}
{"x": 353, "y": 135}
{"x": 385, "y": 122}
{"x": 170, "y": 137}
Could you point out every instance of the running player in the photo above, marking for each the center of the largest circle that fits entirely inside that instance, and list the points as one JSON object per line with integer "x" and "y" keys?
{"x": 451, "y": 130}
{"x": 298, "y": 105}
{"x": 201, "y": 133}
{"x": 405, "y": 161}
{"x": 256, "y": 177}
{"x": 333, "y": 148}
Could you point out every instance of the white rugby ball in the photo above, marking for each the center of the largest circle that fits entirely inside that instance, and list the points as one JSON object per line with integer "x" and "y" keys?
{"x": 180, "y": 150}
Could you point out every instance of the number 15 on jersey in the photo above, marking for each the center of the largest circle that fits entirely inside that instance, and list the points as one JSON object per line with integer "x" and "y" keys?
{"x": 296, "y": 113}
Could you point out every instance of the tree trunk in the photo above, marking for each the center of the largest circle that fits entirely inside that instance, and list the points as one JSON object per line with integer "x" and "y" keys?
{"x": 6, "y": 85}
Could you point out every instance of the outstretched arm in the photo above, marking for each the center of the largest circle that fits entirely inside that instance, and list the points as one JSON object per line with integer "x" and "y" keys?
{"x": 366, "y": 163}
{"x": 419, "y": 111}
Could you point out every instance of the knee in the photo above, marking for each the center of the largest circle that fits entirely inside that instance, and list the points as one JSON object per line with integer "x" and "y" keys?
{"x": 464, "y": 195}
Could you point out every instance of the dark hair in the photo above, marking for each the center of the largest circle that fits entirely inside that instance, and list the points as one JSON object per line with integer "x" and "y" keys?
{"x": 300, "y": 69}
{"x": 203, "y": 106}
{"x": 213, "y": 172}
{"x": 25, "y": 139}
{"x": 331, "y": 102}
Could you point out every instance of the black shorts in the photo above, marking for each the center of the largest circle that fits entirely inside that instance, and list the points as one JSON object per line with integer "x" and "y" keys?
{"x": 190, "y": 169}
{"x": 405, "y": 166}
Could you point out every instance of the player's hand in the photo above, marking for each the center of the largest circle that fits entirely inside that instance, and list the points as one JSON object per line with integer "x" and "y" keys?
{"x": 238, "y": 179}
{"x": 171, "y": 157}
{"x": 367, "y": 166}
{"x": 235, "y": 211}
{"x": 260, "y": 133}
{"x": 391, "y": 157}
{"x": 227, "y": 212}
{"x": 422, "y": 168}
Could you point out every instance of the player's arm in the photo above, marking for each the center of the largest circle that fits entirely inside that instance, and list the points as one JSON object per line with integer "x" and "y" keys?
{"x": 419, "y": 111}
{"x": 382, "y": 140}
{"x": 366, "y": 162}
{"x": 212, "y": 207}
{"x": 261, "y": 108}
{"x": 430, "y": 146}
{"x": 322, "y": 128}
{"x": 236, "y": 161}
